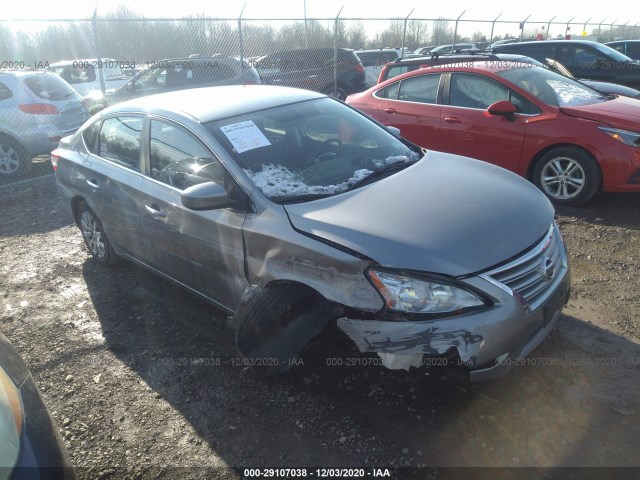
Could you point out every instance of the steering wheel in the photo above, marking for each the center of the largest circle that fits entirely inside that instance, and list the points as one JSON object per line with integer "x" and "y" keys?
{"x": 327, "y": 150}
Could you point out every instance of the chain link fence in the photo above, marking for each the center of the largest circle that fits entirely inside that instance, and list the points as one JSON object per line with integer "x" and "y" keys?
{"x": 98, "y": 57}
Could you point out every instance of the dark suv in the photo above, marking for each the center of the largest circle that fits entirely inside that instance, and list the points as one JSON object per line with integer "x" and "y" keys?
{"x": 584, "y": 59}
{"x": 313, "y": 69}
{"x": 182, "y": 73}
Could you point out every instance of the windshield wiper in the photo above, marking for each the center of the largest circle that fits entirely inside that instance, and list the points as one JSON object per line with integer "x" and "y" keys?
{"x": 304, "y": 197}
{"x": 379, "y": 173}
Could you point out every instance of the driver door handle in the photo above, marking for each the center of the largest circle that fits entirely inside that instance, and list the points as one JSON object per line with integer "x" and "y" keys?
{"x": 452, "y": 120}
{"x": 155, "y": 212}
{"x": 390, "y": 110}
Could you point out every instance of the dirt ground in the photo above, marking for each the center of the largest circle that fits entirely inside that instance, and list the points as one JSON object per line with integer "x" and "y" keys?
{"x": 142, "y": 377}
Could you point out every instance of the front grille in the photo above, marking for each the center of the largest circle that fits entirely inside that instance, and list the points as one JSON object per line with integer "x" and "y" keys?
{"x": 535, "y": 274}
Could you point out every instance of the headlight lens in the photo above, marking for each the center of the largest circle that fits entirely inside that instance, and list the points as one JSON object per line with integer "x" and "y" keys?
{"x": 416, "y": 295}
{"x": 625, "y": 136}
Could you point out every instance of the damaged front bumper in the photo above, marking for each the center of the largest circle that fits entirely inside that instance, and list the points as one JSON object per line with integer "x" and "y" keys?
{"x": 484, "y": 344}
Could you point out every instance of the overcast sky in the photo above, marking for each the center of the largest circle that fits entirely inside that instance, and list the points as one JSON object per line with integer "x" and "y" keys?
{"x": 489, "y": 9}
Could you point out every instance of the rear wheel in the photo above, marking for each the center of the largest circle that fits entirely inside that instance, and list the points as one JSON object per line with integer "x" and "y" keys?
{"x": 567, "y": 175}
{"x": 94, "y": 236}
{"x": 14, "y": 159}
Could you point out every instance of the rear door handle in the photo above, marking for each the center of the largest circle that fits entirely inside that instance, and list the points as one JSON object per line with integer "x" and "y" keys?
{"x": 155, "y": 212}
{"x": 390, "y": 110}
{"x": 93, "y": 184}
{"x": 452, "y": 120}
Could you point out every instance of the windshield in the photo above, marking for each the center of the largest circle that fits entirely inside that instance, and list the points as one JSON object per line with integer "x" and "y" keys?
{"x": 612, "y": 53}
{"x": 315, "y": 148}
{"x": 552, "y": 88}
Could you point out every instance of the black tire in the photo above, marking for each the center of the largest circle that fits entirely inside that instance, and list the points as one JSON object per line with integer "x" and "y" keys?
{"x": 275, "y": 326}
{"x": 15, "y": 162}
{"x": 94, "y": 236}
{"x": 340, "y": 93}
{"x": 567, "y": 175}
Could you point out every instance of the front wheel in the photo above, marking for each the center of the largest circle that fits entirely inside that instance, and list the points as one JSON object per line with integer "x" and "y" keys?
{"x": 567, "y": 175}
{"x": 94, "y": 236}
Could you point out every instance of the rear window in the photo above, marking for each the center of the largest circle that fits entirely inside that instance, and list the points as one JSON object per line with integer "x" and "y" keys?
{"x": 4, "y": 92}
{"x": 48, "y": 87}
{"x": 78, "y": 74}
{"x": 376, "y": 59}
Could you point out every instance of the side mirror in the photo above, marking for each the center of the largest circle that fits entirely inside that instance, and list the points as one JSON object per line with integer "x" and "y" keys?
{"x": 394, "y": 131}
{"x": 205, "y": 196}
{"x": 503, "y": 108}
{"x": 131, "y": 86}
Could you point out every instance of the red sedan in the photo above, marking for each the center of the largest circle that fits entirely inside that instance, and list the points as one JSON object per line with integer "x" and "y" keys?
{"x": 570, "y": 140}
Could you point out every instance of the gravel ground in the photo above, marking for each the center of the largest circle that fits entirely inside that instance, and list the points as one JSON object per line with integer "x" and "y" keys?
{"x": 142, "y": 377}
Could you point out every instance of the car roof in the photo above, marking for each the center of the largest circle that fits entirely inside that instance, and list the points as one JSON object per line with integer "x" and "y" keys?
{"x": 25, "y": 73}
{"x": 476, "y": 65}
{"x": 549, "y": 42}
{"x": 215, "y": 103}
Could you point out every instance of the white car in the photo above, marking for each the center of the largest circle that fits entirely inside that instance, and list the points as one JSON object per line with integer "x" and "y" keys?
{"x": 84, "y": 76}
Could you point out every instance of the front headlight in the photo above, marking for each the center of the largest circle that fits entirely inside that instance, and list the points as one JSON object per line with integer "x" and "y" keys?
{"x": 416, "y": 295}
{"x": 625, "y": 136}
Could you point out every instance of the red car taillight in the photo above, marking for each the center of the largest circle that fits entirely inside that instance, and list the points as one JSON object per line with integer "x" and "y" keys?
{"x": 39, "y": 108}
{"x": 54, "y": 160}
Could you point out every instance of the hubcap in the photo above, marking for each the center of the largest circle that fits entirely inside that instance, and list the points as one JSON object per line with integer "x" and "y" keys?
{"x": 93, "y": 235}
{"x": 9, "y": 160}
{"x": 562, "y": 178}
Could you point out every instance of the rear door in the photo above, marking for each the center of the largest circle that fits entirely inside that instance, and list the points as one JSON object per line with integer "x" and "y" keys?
{"x": 412, "y": 106}
{"x": 466, "y": 128}
{"x": 110, "y": 177}
{"x": 200, "y": 249}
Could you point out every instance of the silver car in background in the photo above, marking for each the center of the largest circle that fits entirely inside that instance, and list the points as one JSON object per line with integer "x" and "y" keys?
{"x": 291, "y": 211}
{"x": 37, "y": 109}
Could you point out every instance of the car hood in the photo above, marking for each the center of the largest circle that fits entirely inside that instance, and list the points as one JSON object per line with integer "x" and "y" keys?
{"x": 446, "y": 214}
{"x": 621, "y": 112}
{"x": 606, "y": 87}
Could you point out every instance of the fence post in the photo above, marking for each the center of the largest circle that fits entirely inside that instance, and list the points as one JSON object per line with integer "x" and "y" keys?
{"x": 522, "y": 26}
{"x": 335, "y": 53}
{"x": 566, "y": 30}
{"x": 493, "y": 24}
{"x": 546, "y": 35}
{"x": 306, "y": 41}
{"x": 404, "y": 32}
{"x": 624, "y": 27}
{"x": 611, "y": 28}
{"x": 584, "y": 27}
{"x": 455, "y": 31}
{"x": 94, "y": 28}
{"x": 600, "y": 25}
{"x": 240, "y": 39}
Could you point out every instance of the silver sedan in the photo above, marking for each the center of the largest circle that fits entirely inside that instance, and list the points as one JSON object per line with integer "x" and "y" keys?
{"x": 291, "y": 211}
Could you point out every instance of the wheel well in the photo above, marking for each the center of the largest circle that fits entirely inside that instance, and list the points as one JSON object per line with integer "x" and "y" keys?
{"x": 541, "y": 153}
{"x": 75, "y": 202}
{"x": 5, "y": 136}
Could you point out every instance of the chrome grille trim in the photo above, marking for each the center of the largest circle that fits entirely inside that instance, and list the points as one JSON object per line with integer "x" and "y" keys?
{"x": 529, "y": 275}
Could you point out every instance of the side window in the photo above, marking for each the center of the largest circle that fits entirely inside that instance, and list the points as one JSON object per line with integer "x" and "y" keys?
{"x": 522, "y": 104}
{"x": 618, "y": 46}
{"x": 120, "y": 141}
{"x": 580, "y": 56}
{"x": 633, "y": 50}
{"x": 179, "y": 159}
{"x": 4, "y": 92}
{"x": 90, "y": 136}
{"x": 79, "y": 74}
{"x": 422, "y": 89}
{"x": 475, "y": 91}
{"x": 390, "y": 91}
{"x": 152, "y": 78}
{"x": 210, "y": 72}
